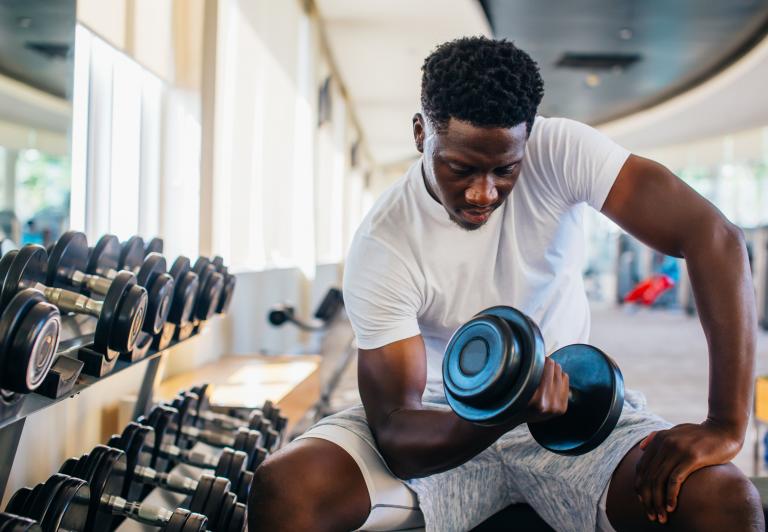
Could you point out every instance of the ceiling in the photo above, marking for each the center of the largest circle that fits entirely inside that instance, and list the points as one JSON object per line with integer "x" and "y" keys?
{"x": 37, "y": 41}
{"x": 378, "y": 47}
{"x": 677, "y": 43}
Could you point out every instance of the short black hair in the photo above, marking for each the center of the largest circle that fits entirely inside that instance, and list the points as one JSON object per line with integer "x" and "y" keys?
{"x": 486, "y": 82}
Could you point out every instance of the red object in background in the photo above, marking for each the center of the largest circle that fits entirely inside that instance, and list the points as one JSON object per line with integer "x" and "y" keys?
{"x": 648, "y": 290}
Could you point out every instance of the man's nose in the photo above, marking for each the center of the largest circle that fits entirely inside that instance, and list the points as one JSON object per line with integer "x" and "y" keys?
{"x": 482, "y": 192}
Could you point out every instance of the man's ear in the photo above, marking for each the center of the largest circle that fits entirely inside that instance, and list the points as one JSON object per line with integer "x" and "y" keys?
{"x": 419, "y": 131}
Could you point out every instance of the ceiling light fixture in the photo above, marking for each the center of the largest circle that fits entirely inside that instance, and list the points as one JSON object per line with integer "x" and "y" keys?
{"x": 625, "y": 34}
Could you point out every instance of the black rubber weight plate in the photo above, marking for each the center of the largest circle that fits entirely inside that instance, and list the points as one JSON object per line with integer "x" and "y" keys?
{"x": 117, "y": 289}
{"x": 195, "y": 523}
{"x": 132, "y": 254}
{"x": 69, "y": 254}
{"x": 594, "y": 407}
{"x": 237, "y": 521}
{"x": 215, "y": 500}
{"x": 27, "y": 269}
{"x": 105, "y": 256}
{"x": 204, "y": 487}
{"x": 129, "y": 319}
{"x": 225, "y": 461}
{"x": 17, "y": 504}
{"x": 33, "y": 348}
{"x": 177, "y": 520}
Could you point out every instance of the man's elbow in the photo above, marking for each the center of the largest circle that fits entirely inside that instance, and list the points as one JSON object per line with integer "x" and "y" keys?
{"x": 398, "y": 462}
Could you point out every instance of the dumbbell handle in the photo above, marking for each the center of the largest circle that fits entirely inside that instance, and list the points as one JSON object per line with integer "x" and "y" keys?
{"x": 69, "y": 301}
{"x": 193, "y": 458}
{"x": 207, "y": 436}
{"x": 94, "y": 283}
{"x": 170, "y": 481}
{"x": 221, "y": 420}
{"x": 146, "y": 513}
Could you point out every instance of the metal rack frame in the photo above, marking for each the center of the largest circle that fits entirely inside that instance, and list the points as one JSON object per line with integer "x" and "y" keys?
{"x": 12, "y": 426}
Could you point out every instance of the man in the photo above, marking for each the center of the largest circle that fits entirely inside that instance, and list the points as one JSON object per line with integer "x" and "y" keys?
{"x": 492, "y": 214}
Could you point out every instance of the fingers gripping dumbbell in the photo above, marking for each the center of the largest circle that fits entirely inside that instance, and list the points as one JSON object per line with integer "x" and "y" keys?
{"x": 168, "y": 430}
{"x": 493, "y": 366}
{"x": 71, "y": 266}
{"x": 120, "y": 315}
{"x": 210, "y": 496}
{"x": 140, "y": 446}
{"x": 69, "y": 504}
{"x": 29, "y": 337}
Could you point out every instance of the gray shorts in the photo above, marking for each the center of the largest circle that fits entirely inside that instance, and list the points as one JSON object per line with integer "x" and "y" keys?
{"x": 568, "y": 492}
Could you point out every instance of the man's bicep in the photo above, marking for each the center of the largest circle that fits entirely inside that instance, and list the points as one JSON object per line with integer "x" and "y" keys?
{"x": 658, "y": 208}
{"x": 392, "y": 377}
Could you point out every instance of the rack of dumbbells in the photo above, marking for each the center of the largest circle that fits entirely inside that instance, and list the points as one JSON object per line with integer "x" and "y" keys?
{"x": 74, "y": 315}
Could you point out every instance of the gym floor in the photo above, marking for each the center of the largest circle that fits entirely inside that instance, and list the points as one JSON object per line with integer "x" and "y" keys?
{"x": 662, "y": 353}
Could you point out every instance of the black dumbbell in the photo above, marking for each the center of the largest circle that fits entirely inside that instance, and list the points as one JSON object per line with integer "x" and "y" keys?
{"x": 155, "y": 245}
{"x": 493, "y": 366}
{"x": 200, "y": 415}
{"x": 140, "y": 447}
{"x": 69, "y": 504}
{"x": 211, "y": 288}
{"x": 230, "y": 281}
{"x": 72, "y": 267}
{"x": 186, "y": 403}
{"x": 210, "y": 496}
{"x": 17, "y": 523}
{"x": 170, "y": 429}
{"x": 30, "y": 328}
{"x": 120, "y": 315}
{"x": 235, "y": 416}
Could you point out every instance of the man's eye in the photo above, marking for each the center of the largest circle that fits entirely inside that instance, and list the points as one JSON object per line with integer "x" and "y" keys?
{"x": 506, "y": 170}
{"x": 460, "y": 170}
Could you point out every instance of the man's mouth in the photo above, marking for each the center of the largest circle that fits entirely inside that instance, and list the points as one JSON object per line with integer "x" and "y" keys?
{"x": 476, "y": 216}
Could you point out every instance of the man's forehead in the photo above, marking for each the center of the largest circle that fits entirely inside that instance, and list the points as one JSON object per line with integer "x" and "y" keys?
{"x": 458, "y": 138}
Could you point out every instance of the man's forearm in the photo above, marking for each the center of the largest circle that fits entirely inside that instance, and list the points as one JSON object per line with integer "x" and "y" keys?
{"x": 722, "y": 283}
{"x": 421, "y": 442}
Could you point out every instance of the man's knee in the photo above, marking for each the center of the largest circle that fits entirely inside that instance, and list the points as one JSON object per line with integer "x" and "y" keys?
{"x": 720, "y": 497}
{"x": 309, "y": 485}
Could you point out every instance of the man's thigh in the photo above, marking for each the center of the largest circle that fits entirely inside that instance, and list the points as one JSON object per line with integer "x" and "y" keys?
{"x": 568, "y": 491}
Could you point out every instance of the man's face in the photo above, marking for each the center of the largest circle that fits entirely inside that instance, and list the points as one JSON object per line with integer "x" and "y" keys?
{"x": 470, "y": 170}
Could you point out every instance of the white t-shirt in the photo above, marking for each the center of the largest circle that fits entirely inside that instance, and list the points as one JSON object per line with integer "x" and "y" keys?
{"x": 411, "y": 270}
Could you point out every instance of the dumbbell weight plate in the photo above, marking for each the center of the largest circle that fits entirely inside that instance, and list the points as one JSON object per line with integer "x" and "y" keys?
{"x": 220, "y": 492}
{"x": 493, "y": 365}
{"x": 117, "y": 325}
{"x": 195, "y": 523}
{"x": 180, "y": 266}
{"x": 17, "y": 523}
{"x": 177, "y": 520}
{"x": 105, "y": 256}
{"x": 5, "y": 266}
{"x": 41, "y": 499}
{"x": 184, "y": 298}
{"x": 200, "y": 496}
{"x": 69, "y": 508}
{"x": 107, "y": 475}
{"x": 155, "y": 245}
{"x": 17, "y": 504}
{"x": 29, "y": 337}
{"x": 230, "y": 281}
{"x": 237, "y": 519}
{"x": 69, "y": 255}
{"x": 132, "y": 254}
{"x": 160, "y": 287}
{"x": 26, "y": 270}
{"x": 208, "y": 299}
{"x": 594, "y": 406}
{"x": 227, "y": 506}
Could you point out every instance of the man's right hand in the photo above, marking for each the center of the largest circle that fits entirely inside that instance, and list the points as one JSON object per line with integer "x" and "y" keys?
{"x": 551, "y": 397}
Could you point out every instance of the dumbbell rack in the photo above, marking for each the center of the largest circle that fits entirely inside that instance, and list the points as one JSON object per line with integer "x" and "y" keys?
{"x": 81, "y": 330}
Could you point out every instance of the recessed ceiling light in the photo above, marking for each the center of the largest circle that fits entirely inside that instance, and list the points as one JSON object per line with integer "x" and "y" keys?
{"x": 625, "y": 34}
{"x": 592, "y": 80}
{"x": 24, "y": 22}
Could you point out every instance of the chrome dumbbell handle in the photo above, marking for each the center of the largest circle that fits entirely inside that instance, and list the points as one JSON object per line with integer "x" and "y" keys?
{"x": 69, "y": 301}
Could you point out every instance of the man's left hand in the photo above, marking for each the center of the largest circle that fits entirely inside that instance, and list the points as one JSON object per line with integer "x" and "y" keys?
{"x": 670, "y": 456}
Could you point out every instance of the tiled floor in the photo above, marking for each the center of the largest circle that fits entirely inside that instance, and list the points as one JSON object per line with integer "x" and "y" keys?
{"x": 661, "y": 353}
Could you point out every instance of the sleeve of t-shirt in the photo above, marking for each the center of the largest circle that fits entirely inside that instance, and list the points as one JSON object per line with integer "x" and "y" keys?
{"x": 583, "y": 161}
{"x": 381, "y": 296}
